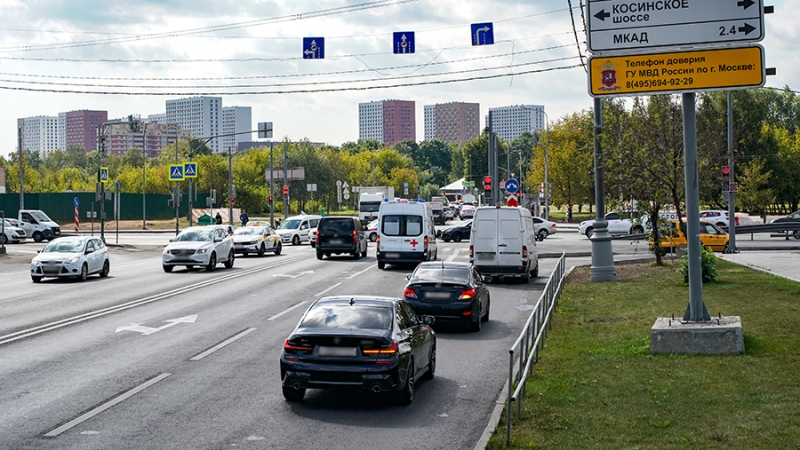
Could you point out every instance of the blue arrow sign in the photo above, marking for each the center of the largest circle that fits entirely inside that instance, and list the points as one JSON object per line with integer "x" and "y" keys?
{"x": 190, "y": 170}
{"x": 313, "y": 48}
{"x": 175, "y": 172}
{"x": 512, "y": 185}
{"x": 482, "y": 33}
{"x": 104, "y": 174}
{"x": 76, "y": 202}
{"x": 403, "y": 42}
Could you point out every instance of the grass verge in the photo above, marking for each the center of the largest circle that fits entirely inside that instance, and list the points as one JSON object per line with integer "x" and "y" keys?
{"x": 597, "y": 386}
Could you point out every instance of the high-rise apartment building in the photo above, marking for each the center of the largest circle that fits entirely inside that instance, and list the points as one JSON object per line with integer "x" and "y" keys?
{"x": 201, "y": 116}
{"x": 39, "y": 133}
{"x": 387, "y": 121}
{"x": 236, "y": 119}
{"x": 157, "y": 137}
{"x": 509, "y": 122}
{"x": 81, "y": 128}
{"x": 453, "y": 122}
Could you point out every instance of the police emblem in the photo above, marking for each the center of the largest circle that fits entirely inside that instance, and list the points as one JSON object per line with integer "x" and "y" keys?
{"x": 609, "y": 77}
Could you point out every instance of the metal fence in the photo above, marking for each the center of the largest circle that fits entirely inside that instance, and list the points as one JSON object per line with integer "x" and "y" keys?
{"x": 525, "y": 350}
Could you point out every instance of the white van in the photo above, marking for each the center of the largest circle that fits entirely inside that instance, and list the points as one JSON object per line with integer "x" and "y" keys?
{"x": 503, "y": 242}
{"x": 405, "y": 233}
{"x": 296, "y": 230}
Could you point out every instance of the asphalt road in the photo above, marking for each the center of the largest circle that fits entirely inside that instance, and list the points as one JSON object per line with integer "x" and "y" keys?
{"x": 132, "y": 376}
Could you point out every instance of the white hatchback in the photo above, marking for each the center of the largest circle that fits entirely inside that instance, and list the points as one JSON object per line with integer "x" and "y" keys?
{"x": 76, "y": 257}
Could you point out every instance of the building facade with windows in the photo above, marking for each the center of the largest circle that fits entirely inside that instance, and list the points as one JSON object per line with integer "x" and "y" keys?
{"x": 236, "y": 119}
{"x": 40, "y": 134}
{"x": 452, "y": 122}
{"x": 81, "y": 128}
{"x": 509, "y": 122}
{"x": 156, "y": 138}
{"x": 200, "y": 116}
{"x": 387, "y": 121}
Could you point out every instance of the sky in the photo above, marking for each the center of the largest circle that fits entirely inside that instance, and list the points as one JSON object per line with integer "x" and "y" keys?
{"x": 58, "y": 56}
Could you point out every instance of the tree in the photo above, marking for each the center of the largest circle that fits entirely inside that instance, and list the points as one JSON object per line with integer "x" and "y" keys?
{"x": 753, "y": 194}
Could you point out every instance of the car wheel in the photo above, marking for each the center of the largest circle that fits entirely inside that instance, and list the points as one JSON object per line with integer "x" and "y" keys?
{"x": 84, "y": 272}
{"x": 431, "y": 372}
{"x": 260, "y": 250}
{"x": 231, "y": 259}
{"x": 313, "y": 244}
{"x": 476, "y": 325}
{"x": 212, "y": 262}
{"x": 37, "y": 236}
{"x": 796, "y": 234}
{"x": 637, "y": 229}
{"x": 278, "y": 248}
{"x": 36, "y": 279}
{"x": 485, "y": 317}
{"x": 535, "y": 271}
{"x": 319, "y": 255}
{"x": 406, "y": 396}
{"x": 373, "y": 237}
{"x": 446, "y": 239}
{"x": 356, "y": 254}
{"x": 106, "y": 269}
{"x": 296, "y": 240}
{"x": 364, "y": 253}
{"x": 189, "y": 267}
{"x": 292, "y": 394}
{"x": 543, "y": 234}
{"x": 166, "y": 268}
{"x": 457, "y": 237}
{"x": 381, "y": 265}
{"x": 589, "y": 232}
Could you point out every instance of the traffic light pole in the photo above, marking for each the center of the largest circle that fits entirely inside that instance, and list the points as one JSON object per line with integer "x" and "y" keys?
{"x": 271, "y": 189}
{"x": 602, "y": 256}
{"x": 731, "y": 204}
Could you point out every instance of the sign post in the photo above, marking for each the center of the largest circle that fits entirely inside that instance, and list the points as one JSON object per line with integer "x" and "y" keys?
{"x": 77, "y": 203}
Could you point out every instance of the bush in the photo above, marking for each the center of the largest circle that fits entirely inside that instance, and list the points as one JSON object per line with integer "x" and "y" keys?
{"x": 708, "y": 261}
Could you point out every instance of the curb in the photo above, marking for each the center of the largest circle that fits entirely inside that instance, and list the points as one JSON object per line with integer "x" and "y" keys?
{"x": 759, "y": 269}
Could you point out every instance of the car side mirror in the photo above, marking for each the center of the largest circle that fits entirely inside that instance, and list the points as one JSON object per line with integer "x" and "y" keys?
{"x": 428, "y": 320}
{"x": 408, "y": 277}
{"x": 172, "y": 239}
{"x": 488, "y": 279}
{"x": 88, "y": 251}
{"x": 217, "y": 239}
{"x": 39, "y": 250}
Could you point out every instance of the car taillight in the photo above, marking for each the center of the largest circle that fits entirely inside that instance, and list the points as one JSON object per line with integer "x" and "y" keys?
{"x": 295, "y": 348}
{"x": 553, "y": 225}
{"x": 471, "y": 252}
{"x": 736, "y": 220}
{"x": 524, "y": 252}
{"x": 391, "y": 350}
{"x": 355, "y": 237}
{"x": 467, "y": 294}
{"x": 410, "y": 292}
{"x": 425, "y": 244}
{"x": 378, "y": 240}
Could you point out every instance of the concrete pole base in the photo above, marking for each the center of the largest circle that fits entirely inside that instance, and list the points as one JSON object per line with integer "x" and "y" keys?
{"x": 602, "y": 257}
{"x": 722, "y": 336}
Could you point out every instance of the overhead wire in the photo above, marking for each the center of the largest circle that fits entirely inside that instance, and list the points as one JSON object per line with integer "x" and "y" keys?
{"x": 575, "y": 32}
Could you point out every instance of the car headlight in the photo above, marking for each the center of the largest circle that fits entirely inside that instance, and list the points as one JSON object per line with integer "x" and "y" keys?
{"x": 73, "y": 260}
{"x": 202, "y": 250}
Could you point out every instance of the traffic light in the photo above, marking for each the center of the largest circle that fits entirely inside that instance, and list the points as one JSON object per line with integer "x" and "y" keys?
{"x": 285, "y": 189}
{"x": 487, "y": 183}
{"x": 270, "y": 199}
{"x": 726, "y": 172}
{"x": 233, "y": 201}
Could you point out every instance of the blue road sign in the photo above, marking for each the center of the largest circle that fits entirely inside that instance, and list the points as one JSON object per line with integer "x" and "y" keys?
{"x": 76, "y": 202}
{"x": 313, "y": 48}
{"x": 190, "y": 170}
{"x": 482, "y": 33}
{"x": 512, "y": 185}
{"x": 104, "y": 174}
{"x": 403, "y": 42}
{"x": 175, "y": 172}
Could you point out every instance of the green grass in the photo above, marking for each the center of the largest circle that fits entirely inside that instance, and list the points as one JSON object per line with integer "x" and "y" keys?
{"x": 597, "y": 386}
{"x": 561, "y": 216}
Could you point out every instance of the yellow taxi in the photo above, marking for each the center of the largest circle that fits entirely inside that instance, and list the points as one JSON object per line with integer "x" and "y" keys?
{"x": 257, "y": 239}
{"x": 711, "y": 236}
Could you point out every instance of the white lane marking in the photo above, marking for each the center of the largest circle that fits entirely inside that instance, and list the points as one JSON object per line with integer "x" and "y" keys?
{"x": 115, "y": 401}
{"x": 146, "y": 331}
{"x": 319, "y": 294}
{"x": 454, "y": 255}
{"x": 222, "y": 344}
{"x": 287, "y": 275}
{"x": 288, "y": 310}
{"x": 359, "y": 273}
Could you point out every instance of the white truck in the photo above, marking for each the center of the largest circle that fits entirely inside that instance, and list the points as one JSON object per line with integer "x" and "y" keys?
{"x": 37, "y": 225}
{"x": 370, "y": 199}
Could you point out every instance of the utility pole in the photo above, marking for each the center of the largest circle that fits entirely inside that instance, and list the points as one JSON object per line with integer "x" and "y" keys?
{"x": 602, "y": 257}
{"x": 178, "y": 192}
{"x": 100, "y": 184}
{"x": 731, "y": 193}
{"x": 285, "y": 181}
{"x": 230, "y": 186}
{"x": 21, "y": 163}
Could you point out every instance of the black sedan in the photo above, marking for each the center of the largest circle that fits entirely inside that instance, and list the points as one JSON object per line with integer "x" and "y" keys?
{"x": 449, "y": 291}
{"x": 458, "y": 232}
{"x": 791, "y": 218}
{"x": 363, "y": 343}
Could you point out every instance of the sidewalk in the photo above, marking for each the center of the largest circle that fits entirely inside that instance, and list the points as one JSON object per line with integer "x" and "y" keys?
{"x": 783, "y": 264}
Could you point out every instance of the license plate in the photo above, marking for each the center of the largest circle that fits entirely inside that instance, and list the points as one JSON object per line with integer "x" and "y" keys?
{"x": 337, "y": 351}
{"x": 393, "y": 255}
{"x": 437, "y": 295}
{"x": 336, "y": 242}
{"x": 485, "y": 255}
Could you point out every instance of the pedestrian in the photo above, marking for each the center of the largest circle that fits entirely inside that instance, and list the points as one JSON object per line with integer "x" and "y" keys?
{"x": 243, "y": 217}
{"x": 218, "y": 218}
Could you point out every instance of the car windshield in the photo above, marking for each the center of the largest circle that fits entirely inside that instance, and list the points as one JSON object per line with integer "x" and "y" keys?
{"x": 64, "y": 246}
{"x": 370, "y": 206}
{"x": 439, "y": 274}
{"x": 7, "y": 224}
{"x": 292, "y": 224}
{"x": 194, "y": 235}
{"x": 248, "y": 231}
{"x": 348, "y": 316}
{"x": 40, "y": 216}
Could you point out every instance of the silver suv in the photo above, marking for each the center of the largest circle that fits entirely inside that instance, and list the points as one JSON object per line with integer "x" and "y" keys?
{"x": 199, "y": 246}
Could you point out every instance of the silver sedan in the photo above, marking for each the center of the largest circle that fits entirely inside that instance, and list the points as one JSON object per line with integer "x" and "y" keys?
{"x": 76, "y": 257}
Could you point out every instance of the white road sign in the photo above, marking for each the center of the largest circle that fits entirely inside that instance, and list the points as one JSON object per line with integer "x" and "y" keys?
{"x": 620, "y": 25}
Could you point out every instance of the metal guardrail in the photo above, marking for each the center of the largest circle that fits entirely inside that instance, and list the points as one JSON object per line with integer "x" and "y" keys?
{"x": 787, "y": 229}
{"x": 525, "y": 350}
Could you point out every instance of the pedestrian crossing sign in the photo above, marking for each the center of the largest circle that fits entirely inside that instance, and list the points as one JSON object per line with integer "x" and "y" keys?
{"x": 176, "y": 172}
{"x": 190, "y": 170}
{"x": 103, "y": 174}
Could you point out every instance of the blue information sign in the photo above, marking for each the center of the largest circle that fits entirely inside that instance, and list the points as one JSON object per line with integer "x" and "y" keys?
{"x": 482, "y": 33}
{"x": 313, "y": 48}
{"x": 104, "y": 174}
{"x": 190, "y": 170}
{"x": 403, "y": 42}
{"x": 512, "y": 185}
{"x": 76, "y": 202}
{"x": 176, "y": 172}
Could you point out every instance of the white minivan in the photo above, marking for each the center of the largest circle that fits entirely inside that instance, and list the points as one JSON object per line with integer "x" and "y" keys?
{"x": 503, "y": 242}
{"x": 405, "y": 233}
{"x": 296, "y": 230}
